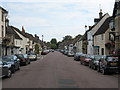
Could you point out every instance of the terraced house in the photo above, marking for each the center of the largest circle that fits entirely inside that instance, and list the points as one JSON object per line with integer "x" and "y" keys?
{"x": 3, "y": 17}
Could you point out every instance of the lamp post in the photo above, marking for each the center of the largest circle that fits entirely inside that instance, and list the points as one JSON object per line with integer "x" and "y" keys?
{"x": 42, "y": 43}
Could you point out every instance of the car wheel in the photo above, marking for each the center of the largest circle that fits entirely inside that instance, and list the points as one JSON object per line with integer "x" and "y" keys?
{"x": 81, "y": 63}
{"x": 26, "y": 63}
{"x": 9, "y": 73}
{"x": 103, "y": 71}
{"x": 89, "y": 65}
{"x": 98, "y": 69}
{"x": 13, "y": 69}
{"x": 85, "y": 63}
{"x": 29, "y": 62}
{"x": 18, "y": 68}
{"x": 94, "y": 67}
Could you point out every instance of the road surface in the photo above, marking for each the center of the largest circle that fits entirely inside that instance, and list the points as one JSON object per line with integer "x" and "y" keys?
{"x": 56, "y": 70}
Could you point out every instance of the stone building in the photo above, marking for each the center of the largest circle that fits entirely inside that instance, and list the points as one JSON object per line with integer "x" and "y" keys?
{"x": 3, "y": 16}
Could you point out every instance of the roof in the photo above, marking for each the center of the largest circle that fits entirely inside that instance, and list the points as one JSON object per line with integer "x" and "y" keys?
{"x": 4, "y": 9}
{"x": 9, "y": 30}
{"x": 76, "y": 38}
{"x": 19, "y": 31}
{"x": 104, "y": 27}
{"x": 84, "y": 36}
{"x": 116, "y": 7}
{"x": 31, "y": 37}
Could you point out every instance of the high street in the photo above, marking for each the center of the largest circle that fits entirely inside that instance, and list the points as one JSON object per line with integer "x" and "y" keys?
{"x": 56, "y": 70}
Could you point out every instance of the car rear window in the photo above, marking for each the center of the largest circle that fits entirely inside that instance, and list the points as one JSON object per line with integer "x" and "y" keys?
{"x": 25, "y": 55}
{"x": 98, "y": 57}
{"x": 20, "y": 55}
{"x": 112, "y": 58}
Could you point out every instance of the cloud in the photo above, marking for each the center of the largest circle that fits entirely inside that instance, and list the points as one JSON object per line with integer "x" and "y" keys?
{"x": 30, "y": 21}
{"x": 55, "y": 18}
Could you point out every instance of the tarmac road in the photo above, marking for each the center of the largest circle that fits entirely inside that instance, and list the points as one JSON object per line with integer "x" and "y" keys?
{"x": 56, "y": 70}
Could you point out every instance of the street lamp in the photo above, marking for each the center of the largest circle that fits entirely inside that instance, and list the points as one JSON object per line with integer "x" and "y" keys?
{"x": 42, "y": 43}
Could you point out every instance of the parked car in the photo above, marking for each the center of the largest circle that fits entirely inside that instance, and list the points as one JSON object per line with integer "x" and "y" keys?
{"x": 5, "y": 69}
{"x": 94, "y": 62}
{"x": 70, "y": 53}
{"x": 51, "y": 50}
{"x": 62, "y": 51}
{"x": 82, "y": 58}
{"x": 77, "y": 56}
{"x": 14, "y": 61}
{"x": 108, "y": 64}
{"x": 23, "y": 61}
{"x": 65, "y": 52}
{"x": 32, "y": 56}
{"x": 44, "y": 52}
{"x": 85, "y": 59}
{"x": 26, "y": 58}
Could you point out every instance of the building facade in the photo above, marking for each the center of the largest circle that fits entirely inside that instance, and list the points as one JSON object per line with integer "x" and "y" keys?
{"x": 90, "y": 46}
{"x": 3, "y": 16}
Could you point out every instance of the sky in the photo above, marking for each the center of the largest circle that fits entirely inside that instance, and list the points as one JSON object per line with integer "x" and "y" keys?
{"x": 55, "y": 18}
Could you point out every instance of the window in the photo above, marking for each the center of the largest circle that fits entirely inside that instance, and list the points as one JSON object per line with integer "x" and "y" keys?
{"x": 2, "y": 16}
{"x": 16, "y": 42}
{"x": 2, "y": 31}
{"x": 102, "y": 37}
{"x": 102, "y": 51}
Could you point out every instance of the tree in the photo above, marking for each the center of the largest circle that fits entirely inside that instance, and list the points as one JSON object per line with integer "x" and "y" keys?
{"x": 58, "y": 44}
{"x": 53, "y": 46}
{"x": 36, "y": 48}
{"x": 68, "y": 37}
{"x": 53, "y": 41}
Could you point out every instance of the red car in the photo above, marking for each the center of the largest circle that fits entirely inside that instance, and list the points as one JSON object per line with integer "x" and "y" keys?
{"x": 23, "y": 61}
{"x": 85, "y": 59}
{"x": 44, "y": 52}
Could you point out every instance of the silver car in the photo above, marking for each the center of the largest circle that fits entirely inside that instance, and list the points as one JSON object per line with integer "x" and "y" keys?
{"x": 32, "y": 56}
{"x": 5, "y": 69}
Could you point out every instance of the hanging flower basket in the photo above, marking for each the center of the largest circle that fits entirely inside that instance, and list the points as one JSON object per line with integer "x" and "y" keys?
{"x": 110, "y": 45}
{"x": 85, "y": 42}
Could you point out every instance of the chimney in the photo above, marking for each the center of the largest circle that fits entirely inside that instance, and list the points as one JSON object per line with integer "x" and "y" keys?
{"x": 7, "y": 22}
{"x": 90, "y": 27}
{"x": 23, "y": 30}
{"x": 100, "y": 14}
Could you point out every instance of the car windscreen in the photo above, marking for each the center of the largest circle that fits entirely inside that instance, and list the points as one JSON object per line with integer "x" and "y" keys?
{"x": 112, "y": 58}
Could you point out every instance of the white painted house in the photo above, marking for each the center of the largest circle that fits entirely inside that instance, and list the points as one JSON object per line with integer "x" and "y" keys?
{"x": 90, "y": 33}
{"x": 15, "y": 41}
{"x": 24, "y": 43}
{"x": 78, "y": 45}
